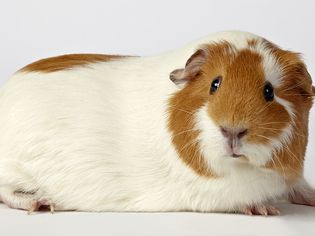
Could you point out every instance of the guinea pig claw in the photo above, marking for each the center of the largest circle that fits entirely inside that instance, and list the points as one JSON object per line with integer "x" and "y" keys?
{"x": 248, "y": 211}
{"x": 37, "y": 205}
{"x": 261, "y": 210}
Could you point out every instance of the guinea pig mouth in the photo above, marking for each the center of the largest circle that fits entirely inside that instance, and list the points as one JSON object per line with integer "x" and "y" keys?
{"x": 236, "y": 155}
{"x": 240, "y": 157}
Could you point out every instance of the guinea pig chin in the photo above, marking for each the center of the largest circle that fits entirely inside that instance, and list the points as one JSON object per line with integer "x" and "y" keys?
{"x": 222, "y": 143}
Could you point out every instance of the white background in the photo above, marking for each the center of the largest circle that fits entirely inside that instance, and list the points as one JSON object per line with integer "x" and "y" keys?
{"x": 33, "y": 29}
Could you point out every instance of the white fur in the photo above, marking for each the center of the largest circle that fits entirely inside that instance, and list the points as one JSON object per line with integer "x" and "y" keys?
{"x": 95, "y": 138}
{"x": 273, "y": 71}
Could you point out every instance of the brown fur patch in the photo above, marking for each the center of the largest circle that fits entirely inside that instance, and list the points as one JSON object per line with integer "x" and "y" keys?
{"x": 252, "y": 42}
{"x": 68, "y": 61}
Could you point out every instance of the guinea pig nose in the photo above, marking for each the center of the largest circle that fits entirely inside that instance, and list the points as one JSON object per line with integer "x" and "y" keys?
{"x": 233, "y": 132}
{"x": 242, "y": 133}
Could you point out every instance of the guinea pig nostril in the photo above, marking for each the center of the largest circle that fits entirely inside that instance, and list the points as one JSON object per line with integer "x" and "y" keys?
{"x": 233, "y": 132}
{"x": 224, "y": 132}
{"x": 242, "y": 133}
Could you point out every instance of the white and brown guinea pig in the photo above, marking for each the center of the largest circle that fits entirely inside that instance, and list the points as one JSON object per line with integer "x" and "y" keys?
{"x": 219, "y": 125}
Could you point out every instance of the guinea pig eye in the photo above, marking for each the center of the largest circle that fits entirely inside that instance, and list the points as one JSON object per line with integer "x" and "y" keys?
{"x": 268, "y": 92}
{"x": 215, "y": 84}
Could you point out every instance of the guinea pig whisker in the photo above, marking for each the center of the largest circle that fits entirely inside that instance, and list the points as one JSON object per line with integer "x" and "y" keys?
{"x": 275, "y": 131}
{"x": 189, "y": 145}
{"x": 263, "y": 108}
{"x": 259, "y": 135}
{"x": 274, "y": 159}
{"x": 287, "y": 167}
{"x": 291, "y": 154}
{"x": 279, "y": 122}
{"x": 194, "y": 156}
{"x": 270, "y": 129}
{"x": 262, "y": 127}
{"x": 299, "y": 94}
{"x": 275, "y": 122}
{"x": 293, "y": 87}
{"x": 186, "y": 131}
{"x": 179, "y": 109}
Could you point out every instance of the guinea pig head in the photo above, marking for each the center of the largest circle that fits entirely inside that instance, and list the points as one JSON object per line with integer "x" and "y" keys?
{"x": 237, "y": 105}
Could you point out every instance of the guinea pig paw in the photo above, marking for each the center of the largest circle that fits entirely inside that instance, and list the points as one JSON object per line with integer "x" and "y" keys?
{"x": 306, "y": 197}
{"x": 41, "y": 204}
{"x": 264, "y": 210}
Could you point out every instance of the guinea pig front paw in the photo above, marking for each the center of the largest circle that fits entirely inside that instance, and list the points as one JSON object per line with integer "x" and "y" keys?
{"x": 264, "y": 210}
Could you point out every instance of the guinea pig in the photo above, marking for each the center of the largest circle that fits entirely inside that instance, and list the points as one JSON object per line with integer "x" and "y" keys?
{"x": 220, "y": 125}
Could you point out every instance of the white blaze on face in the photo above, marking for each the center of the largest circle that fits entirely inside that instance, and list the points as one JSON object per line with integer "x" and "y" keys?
{"x": 273, "y": 73}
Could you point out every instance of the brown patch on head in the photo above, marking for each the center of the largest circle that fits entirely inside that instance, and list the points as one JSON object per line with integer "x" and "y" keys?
{"x": 65, "y": 62}
{"x": 240, "y": 102}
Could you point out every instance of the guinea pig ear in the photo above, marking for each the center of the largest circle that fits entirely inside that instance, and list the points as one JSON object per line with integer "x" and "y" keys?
{"x": 192, "y": 68}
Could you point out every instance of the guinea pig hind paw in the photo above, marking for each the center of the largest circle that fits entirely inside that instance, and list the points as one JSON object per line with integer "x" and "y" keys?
{"x": 303, "y": 197}
{"x": 42, "y": 204}
{"x": 263, "y": 210}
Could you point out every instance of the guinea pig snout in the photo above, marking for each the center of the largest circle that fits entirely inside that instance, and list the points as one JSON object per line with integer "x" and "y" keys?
{"x": 233, "y": 137}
